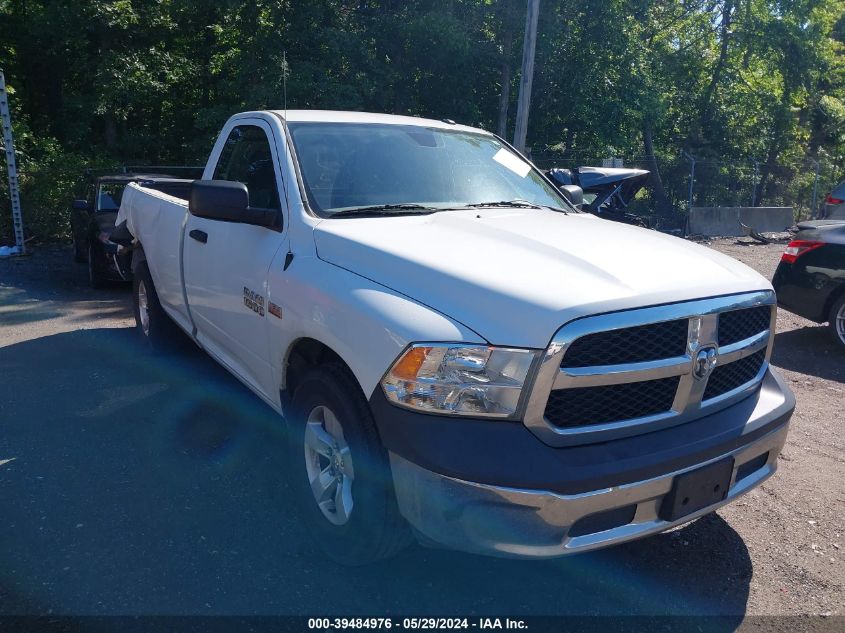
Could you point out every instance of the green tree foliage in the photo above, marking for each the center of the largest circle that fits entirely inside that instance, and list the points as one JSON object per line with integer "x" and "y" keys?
{"x": 151, "y": 81}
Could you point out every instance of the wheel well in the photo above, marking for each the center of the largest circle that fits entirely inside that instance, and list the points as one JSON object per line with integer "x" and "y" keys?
{"x": 304, "y": 355}
{"x": 833, "y": 298}
{"x": 138, "y": 257}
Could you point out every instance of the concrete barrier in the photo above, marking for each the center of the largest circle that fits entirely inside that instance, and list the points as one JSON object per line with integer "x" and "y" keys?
{"x": 725, "y": 220}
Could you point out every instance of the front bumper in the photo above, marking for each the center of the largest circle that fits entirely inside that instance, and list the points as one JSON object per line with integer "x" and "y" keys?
{"x": 522, "y": 522}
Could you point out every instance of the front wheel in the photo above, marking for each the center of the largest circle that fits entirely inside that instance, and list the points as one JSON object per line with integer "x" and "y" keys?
{"x": 340, "y": 470}
{"x": 837, "y": 320}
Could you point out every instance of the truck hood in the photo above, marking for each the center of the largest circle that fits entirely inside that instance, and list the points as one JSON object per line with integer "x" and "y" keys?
{"x": 515, "y": 276}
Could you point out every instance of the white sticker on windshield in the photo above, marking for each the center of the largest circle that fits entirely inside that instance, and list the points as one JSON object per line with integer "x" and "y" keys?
{"x": 512, "y": 162}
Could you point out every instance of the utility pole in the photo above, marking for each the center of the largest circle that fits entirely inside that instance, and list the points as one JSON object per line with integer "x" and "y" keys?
{"x": 9, "y": 146}
{"x": 528, "y": 48}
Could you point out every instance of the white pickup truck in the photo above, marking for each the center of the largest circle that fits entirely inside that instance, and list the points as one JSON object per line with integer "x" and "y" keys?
{"x": 456, "y": 351}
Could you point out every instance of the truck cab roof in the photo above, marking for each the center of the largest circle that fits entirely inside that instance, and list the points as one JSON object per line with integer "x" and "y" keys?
{"x": 339, "y": 116}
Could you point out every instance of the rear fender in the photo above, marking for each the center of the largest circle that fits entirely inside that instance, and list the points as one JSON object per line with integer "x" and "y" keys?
{"x": 831, "y": 299}
{"x": 138, "y": 257}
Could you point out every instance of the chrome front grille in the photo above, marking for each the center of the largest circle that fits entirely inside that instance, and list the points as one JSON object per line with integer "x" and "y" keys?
{"x": 629, "y": 345}
{"x": 738, "y": 325}
{"x": 596, "y": 405}
{"x": 631, "y": 372}
{"x": 726, "y": 378}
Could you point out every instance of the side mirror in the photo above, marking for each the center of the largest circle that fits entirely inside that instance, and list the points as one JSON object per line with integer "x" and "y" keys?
{"x": 227, "y": 201}
{"x": 81, "y": 205}
{"x": 574, "y": 194}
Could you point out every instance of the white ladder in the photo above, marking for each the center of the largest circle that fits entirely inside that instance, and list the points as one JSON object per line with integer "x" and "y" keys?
{"x": 9, "y": 145}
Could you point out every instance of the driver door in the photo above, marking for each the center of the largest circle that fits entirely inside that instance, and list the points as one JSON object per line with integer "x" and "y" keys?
{"x": 226, "y": 263}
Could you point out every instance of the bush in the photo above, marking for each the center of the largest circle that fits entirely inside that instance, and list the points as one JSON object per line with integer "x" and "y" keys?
{"x": 50, "y": 178}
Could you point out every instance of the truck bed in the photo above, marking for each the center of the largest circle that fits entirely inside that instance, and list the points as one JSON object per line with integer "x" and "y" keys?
{"x": 175, "y": 187}
{"x": 164, "y": 211}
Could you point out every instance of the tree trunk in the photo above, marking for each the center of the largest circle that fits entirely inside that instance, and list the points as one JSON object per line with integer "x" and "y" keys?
{"x": 771, "y": 160}
{"x": 661, "y": 200}
{"x": 748, "y": 35}
{"x": 778, "y": 141}
{"x": 706, "y": 111}
{"x": 505, "y": 97}
{"x": 569, "y": 142}
{"x": 110, "y": 131}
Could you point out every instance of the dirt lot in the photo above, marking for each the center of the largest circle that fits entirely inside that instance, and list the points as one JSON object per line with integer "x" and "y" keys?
{"x": 134, "y": 485}
{"x": 794, "y": 524}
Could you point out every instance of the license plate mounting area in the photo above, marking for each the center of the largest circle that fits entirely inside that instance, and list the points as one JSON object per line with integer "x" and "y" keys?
{"x": 697, "y": 489}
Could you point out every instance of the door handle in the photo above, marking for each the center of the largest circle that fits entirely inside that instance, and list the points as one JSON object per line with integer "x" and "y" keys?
{"x": 199, "y": 236}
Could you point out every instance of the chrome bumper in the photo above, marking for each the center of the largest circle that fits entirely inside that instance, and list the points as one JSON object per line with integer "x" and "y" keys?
{"x": 512, "y": 522}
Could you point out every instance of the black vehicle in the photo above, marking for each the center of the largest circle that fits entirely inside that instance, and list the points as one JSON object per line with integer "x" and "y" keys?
{"x": 810, "y": 279}
{"x": 607, "y": 190}
{"x": 92, "y": 222}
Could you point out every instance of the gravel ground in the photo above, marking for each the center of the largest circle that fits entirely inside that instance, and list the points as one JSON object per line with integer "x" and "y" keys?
{"x": 133, "y": 485}
{"x": 794, "y": 524}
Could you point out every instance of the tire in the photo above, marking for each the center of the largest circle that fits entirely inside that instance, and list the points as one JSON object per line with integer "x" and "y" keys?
{"x": 151, "y": 321}
{"x": 95, "y": 275}
{"x": 330, "y": 413}
{"x": 836, "y": 320}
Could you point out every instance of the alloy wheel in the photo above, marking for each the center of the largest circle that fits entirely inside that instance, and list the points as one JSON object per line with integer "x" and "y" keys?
{"x": 328, "y": 464}
{"x": 143, "y": 308}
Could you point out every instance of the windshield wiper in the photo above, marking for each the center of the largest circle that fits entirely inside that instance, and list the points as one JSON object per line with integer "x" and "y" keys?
{"x": 519, "y": 204}
{"x": 506, "y": 203}
{"x": 560, "y": 209}
{"x": 384, "y": 209}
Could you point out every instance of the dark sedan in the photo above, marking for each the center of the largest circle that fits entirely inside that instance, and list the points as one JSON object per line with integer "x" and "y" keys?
{"x": 93, "y": 218}
{"x": 834, "y": 204}
{"x": 810, "y": 280}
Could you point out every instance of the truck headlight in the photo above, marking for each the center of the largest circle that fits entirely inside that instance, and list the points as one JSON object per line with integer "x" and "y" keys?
{"x": 471, "y": 380}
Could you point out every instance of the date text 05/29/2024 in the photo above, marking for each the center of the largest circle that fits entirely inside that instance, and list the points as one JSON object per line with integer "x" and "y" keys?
{"x": 326, "y": 624}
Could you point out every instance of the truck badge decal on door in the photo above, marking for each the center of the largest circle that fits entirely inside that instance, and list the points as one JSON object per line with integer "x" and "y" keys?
{"x": 254, "y": 301}
{"x": 274, "y": 309}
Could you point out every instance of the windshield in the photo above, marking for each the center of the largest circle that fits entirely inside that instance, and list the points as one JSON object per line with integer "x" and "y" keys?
{"x": 109, "y": 195}
{"x": 347, "y": 166}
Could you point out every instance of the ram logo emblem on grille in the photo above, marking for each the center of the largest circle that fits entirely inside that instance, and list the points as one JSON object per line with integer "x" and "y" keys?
{"x": 704, "y": 363}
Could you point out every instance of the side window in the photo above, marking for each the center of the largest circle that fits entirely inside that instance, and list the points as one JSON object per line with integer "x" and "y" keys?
{"x": 246, "y": 158}
{"x": 109, "y": 196}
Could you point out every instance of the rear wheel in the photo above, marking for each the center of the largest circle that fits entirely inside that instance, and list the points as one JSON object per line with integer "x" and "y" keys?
{"x": 837, "y": 320}
{"x": 341, "y": 472}
{"x": 151, "y": 321}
